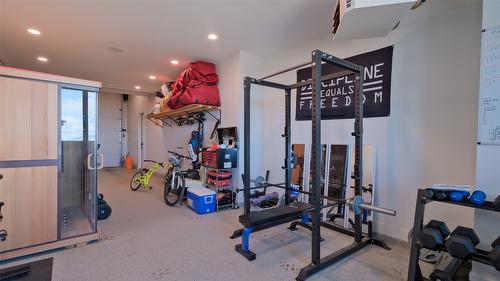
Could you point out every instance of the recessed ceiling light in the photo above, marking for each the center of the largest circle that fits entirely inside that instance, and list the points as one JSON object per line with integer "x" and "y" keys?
{"x": 43, "y": 59}
{"x": 174, "y": 62}
{"x": 34, "y": 31}
{"x": 137, "y": 87}
{"x": 152, "y": 77}
{"x": 212, "y": 36}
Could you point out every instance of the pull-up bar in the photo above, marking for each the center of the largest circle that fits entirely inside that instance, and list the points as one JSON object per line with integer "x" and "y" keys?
{"x": 298, "y": 84}
{"x": 284, "y": 70}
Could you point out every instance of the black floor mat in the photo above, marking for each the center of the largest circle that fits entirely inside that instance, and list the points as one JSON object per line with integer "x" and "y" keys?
{"x": 39, "y": 271}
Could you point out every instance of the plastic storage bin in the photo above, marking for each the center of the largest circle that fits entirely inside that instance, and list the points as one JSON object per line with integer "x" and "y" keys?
{"x": 201, "y": 200}
{"x": 220, "y": 159}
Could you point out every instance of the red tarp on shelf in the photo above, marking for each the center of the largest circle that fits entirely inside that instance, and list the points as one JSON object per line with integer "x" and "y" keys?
{"x": 196, "y": 85}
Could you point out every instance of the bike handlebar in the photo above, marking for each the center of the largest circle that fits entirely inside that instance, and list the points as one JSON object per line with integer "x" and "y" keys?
{"x": 153, "y": 161}
{"x": 179, "y": 155}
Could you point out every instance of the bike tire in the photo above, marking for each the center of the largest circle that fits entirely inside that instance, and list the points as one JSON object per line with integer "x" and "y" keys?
{"x": 167, "y": 174}
{"x": 134, "y": 184}
{"x": 173, "y": 195}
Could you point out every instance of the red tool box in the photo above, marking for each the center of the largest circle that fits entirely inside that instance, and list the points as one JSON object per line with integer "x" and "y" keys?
{"x": 219, "y": 178}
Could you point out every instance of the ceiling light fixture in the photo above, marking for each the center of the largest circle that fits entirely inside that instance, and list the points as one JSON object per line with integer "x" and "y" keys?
{"x": 152, "y": 77}
{"x": 34, "y": 31}
{"x": 212, "y": 36}
{"x": 137, "y": 87}
{"x": 43, "y": 59}
{"x": 174, "y": 62}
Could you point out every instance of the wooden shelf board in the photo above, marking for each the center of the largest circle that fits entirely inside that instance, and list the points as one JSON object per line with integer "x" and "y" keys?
{"x": 173, "y": 113}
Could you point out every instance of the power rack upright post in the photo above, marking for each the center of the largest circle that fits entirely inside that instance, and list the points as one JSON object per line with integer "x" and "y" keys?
{"x": 313, "y": 209}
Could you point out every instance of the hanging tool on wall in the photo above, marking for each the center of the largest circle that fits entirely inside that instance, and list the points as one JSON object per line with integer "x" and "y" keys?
{"x": 190, "y": 119}
{"x": 195, "y": 144}
{"x": 214, "y": 135}
{"x": 1, "y": 216}
{"x": 3, "y": 232}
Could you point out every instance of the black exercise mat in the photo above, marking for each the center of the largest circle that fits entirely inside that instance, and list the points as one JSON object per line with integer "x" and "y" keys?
{"x": 40, "y": 271}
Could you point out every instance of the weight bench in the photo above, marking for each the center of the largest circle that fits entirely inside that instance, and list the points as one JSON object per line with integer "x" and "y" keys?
{"x": 264, "y": 219}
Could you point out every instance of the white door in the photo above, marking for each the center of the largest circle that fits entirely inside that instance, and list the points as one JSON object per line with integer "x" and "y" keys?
{"x": 110, "y": 129}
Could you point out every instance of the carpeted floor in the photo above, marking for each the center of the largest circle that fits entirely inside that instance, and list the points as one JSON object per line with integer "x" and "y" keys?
{"x": 144, "y": 239}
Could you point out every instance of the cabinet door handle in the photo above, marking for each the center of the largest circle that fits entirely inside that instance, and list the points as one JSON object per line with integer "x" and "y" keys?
{"x": 100, "y": 162}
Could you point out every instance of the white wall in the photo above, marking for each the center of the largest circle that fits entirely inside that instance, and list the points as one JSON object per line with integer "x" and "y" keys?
{"x": 431, "y": 133}
{"x": 158, "y": 141}
{"x": 136, "y": 105}
{"x": 231, "y": 71}
{"x": 488, "y": 173}
{"x": 429, "y": 137}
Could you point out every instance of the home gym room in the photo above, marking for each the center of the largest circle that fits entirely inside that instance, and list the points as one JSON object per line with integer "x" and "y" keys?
{"x": 249, "y": 140}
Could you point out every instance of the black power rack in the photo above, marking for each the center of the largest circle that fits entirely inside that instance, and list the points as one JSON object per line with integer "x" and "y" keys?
{"x": 414, "y": 271}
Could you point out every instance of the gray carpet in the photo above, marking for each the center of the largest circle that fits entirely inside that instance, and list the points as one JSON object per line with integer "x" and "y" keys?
{"x": 144, "y": 239}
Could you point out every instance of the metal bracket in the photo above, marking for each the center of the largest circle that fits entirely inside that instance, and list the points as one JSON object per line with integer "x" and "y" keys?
{"x": 215, "y": 117}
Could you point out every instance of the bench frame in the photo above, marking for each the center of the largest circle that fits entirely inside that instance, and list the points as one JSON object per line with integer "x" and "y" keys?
{"x": 244, "y": 247}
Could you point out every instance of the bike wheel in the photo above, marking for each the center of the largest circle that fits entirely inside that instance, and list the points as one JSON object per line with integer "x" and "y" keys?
{"x": 174, "y": 193}
{"x": 135, "y": 183}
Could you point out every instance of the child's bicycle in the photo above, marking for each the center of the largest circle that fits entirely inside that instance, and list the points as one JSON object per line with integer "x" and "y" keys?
{"x": 141, "y": 178}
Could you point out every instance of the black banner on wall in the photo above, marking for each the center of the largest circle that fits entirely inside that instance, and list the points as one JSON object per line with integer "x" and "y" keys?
{"x": 337, "y": 95}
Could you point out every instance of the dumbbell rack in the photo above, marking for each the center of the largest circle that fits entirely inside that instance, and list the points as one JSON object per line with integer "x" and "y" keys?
{"x": 414, "y": 271}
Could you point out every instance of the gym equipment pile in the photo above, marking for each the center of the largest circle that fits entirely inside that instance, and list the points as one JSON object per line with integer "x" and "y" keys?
{"x": 308, "y": 214}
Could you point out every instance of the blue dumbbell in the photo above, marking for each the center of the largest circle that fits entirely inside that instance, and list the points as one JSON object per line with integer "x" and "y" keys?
{"x": 478, "y": 197}
{"x": 458, "y": 196}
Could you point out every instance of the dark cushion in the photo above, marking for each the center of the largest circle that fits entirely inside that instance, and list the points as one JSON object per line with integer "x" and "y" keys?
{"x": 282, "y": 213}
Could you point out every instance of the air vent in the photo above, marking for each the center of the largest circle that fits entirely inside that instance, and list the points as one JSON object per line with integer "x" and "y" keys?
{"x": 358, "y": 19}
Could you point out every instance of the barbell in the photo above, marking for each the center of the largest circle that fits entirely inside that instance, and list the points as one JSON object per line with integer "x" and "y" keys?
{"x": 357, "y": 204}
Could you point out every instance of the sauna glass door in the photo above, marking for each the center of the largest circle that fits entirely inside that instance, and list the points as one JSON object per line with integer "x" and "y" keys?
{"x": 78, "y": 162}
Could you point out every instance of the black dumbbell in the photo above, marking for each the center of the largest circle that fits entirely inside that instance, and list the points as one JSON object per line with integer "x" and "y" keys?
{"x": 435, "y": 194}
{"x": 440, "y": 195}
{"x": 429, "y": 193}
{"x": 433, "y": 235}
{"x": 494, "y": 255}
{"x": 3, "y": 235}
{"x": 446, "y": 268}
{"x": 462, "y": 242}
{"x": 496, "y": 203}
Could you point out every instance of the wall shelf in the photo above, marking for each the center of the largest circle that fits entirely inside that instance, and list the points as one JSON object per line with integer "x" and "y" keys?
{"x": 173, "y": 115}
